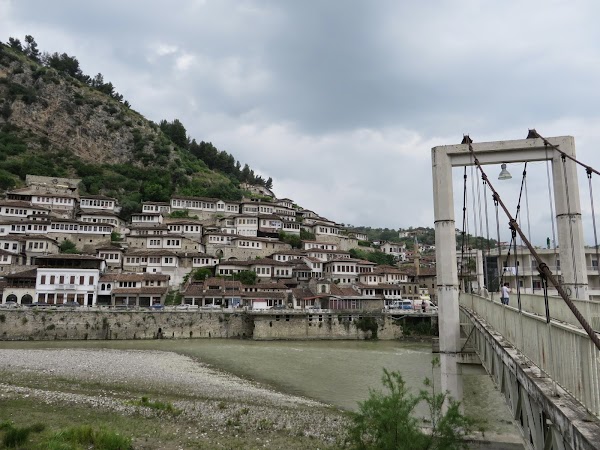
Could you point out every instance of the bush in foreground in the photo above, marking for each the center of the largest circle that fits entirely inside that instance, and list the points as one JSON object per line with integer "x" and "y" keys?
{"x": 387, "y": 421}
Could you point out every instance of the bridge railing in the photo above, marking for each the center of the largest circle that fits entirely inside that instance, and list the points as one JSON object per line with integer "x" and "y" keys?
{"x": 558, "y": 308}
{"x": 561, "y": 350}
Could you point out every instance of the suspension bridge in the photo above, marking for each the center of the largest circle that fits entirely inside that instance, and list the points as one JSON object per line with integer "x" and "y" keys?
{"x": 542, "y": 349}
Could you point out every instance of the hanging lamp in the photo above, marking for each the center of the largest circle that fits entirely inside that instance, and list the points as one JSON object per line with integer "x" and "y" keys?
{"x": 504, "y": 174}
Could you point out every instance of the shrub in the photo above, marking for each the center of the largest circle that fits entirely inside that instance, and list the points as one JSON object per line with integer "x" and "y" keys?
{"x": 387, "y": 419}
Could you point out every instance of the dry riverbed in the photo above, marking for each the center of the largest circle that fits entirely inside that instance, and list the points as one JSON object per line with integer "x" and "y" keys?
{"x": 212, "y": 409}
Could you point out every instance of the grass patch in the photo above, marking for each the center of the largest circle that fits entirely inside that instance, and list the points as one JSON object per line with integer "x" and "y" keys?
{"x": 157, "y": 405}
{"x": 14, "y": 436}
{"x": 86, "y": 436}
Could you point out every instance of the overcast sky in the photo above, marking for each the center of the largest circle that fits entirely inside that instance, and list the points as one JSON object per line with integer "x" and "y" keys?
{"x": 340, "y": 102}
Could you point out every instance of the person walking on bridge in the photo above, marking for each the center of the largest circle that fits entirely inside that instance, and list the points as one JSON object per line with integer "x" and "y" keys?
{"x": 505, "y": 294}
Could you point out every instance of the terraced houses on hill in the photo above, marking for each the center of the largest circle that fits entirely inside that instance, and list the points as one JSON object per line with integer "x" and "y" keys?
{"x": 155, "y": 254}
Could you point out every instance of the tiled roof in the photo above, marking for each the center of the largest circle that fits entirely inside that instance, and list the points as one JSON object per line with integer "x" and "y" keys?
{"x": 343, "y": 292}
{"x": 30, "y": 273}
{"x": 202, "y": 199}
{"x": 21, "y": 204}
{"x": 301, "y": 293}
{"x": 69, "y": 256}
{"x": 252, "y": 238}
{"x": 182, "y": 222}
{"x": 98, "y": 197}
{"x": 254, "y": 262}
{"x": 292, "y": 251}
{"x": 148, "y": 227}
{"x": 379, "y": 286}
{"x": 260, "y": 286}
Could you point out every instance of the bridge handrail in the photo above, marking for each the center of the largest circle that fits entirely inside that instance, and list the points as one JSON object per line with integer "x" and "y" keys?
{"x": 563, "y": 351}
{"x": 558, "y": 309}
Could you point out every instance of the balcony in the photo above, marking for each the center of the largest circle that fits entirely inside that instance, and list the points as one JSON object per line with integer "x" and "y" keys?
{"x": 66, "y": 287}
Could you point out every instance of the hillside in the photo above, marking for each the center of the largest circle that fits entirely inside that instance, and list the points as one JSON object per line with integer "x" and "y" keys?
{"x": 56, "y": 121}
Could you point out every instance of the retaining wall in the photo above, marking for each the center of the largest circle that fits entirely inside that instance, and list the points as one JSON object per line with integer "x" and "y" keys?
{"x": 51, "y": 324}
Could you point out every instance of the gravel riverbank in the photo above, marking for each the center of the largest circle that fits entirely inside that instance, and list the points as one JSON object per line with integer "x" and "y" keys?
{"x": 103, "y": 379}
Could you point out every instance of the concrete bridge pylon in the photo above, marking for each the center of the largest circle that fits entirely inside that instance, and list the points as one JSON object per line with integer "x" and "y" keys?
{"x": 568, "y": 218}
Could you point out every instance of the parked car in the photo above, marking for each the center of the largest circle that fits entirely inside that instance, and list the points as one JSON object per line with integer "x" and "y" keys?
{"x": 69, "y": 304}
{"x": 38, "y": 304}
{"x": 9, "y": 304}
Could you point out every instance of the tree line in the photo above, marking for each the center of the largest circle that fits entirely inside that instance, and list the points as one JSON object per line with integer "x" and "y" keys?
{"x": 214, "y": 158}
{"x": 66, "y": 64}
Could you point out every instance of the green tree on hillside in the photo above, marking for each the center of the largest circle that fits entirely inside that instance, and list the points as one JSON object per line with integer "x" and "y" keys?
{"x": 68, "y": 247}
{"x": 31, "y": 49}
{"x": 176, "y": 132}
{"x": 376, "y": 256}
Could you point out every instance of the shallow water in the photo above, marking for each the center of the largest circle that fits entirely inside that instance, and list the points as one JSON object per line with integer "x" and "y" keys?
{"x": 339, "y": 373}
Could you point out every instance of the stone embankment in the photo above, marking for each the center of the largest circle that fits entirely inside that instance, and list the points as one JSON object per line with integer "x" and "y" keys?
{"x": 105, "y": 324}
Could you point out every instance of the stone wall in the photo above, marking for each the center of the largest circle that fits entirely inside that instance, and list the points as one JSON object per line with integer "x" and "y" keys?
{"x": 35, "y": 324}
{"x": 52, "y": 324}
{"x": 320, "y": 326}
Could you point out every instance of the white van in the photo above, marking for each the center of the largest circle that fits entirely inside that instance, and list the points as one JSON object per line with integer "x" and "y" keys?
{"x": 401, "y": 304}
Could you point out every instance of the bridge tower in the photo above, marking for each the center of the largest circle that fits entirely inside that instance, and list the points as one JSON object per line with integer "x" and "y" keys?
{"x": 568, "y": 218}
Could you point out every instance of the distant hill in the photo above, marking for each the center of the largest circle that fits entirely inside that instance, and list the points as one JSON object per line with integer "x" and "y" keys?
{"x": 57, "y": 121}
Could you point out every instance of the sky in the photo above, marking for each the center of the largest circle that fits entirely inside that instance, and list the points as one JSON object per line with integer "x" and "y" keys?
{"x": 341, "y": 101}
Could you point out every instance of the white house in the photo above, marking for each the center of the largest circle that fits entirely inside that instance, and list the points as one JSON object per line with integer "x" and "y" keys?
{"x": 98, "y": 203}
{"x": 346, "y": 271}
{"x": 113, "y": 256}
{"x": 246, "y": 225}
{"x": 156, "y": 207}
{"x": 395, "y": 249}
{"x": 309, "y": 245}
{"x": 18, "y": 209}
{"x": 146, "y": 218}
{"x": 68, "y": 278}
{"x": 188, "y": 228}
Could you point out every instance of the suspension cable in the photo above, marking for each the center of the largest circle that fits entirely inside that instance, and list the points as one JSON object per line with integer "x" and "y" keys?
{"x": 551, "y": 201}
{"x": 487, "y": 236}
{"x": 500, "y": 269}
{"x": 542, "y": 267}
{"x": 514, "y": 233}
{"x": 589, "y": 175}
{"x": 533, "y": 133}
{"x": 527, "y": 209}
{"x": 462, "y": 247}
